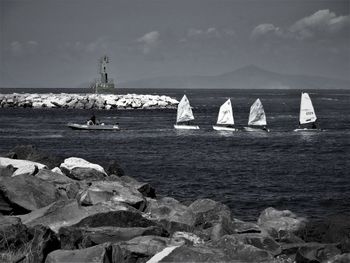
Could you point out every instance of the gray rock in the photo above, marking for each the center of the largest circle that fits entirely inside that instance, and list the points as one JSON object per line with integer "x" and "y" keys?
{"x": 344, "y": 258}
{"x": 171, "y": 214}
{"x": 235, "y": 249}
{"x": 82, "y": 237}
{"x": 208, "y": 211}
{"x": 278, "y": 223}
{"x": 81, "y": 173}
{"x": 104, "y": 191}
{"x": 192, "y": 254}
{"x": 65, "y": 185}
{"x": 316, "y": 253}
{"x": 144, "y": 188}
{"x": 261, "y": 241}
{"x": 69, "y": 212}
{"x": 96, "y": 254}
{"x": 26, "y": 193}
{"x": 334, "y": 229}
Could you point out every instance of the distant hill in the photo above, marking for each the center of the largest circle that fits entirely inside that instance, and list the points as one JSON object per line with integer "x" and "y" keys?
{"x": 250, "y": 77}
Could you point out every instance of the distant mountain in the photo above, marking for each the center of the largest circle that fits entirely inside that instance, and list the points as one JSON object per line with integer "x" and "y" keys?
{"x": 250, "y": 77}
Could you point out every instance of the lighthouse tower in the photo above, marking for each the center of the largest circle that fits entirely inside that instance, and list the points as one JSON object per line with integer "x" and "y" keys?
{"x": 104, "y": 84}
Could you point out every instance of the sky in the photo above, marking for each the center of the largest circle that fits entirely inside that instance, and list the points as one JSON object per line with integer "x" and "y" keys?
{"x": 57, "y": 43}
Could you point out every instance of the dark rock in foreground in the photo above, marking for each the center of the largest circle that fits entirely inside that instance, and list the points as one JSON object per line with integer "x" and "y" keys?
{"x": 24, "y": 193}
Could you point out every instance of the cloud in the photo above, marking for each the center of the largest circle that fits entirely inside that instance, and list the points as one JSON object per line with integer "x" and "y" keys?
{"x": 265, "y": 29}
{"x": 18, "y": 48}
{"x": 210, "y": 32}
{"x": 322, "y": 24}
{"x": 150, "y": 41}
{"x": 207, "y": 34}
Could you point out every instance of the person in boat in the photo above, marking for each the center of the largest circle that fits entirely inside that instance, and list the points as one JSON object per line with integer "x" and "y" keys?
{"x": 314, "y": 125}
{"x": 92, "y": 120}
{"x": 264, "y": 128}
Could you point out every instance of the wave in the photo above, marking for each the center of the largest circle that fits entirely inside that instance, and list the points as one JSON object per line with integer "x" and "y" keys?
{"x": 330, "y": 99}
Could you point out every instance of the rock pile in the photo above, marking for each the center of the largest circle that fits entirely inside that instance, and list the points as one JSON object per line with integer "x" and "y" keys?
{"x": 81, "y": 212}
{"x": 87, "y": 101}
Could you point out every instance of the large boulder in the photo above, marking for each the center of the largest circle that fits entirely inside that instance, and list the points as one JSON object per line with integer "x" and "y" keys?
{"x": 177, "y": 254}
{"x": 316, "y": 253}
{"x": 31, "y": 153}
{"x": 261, "y": 241}
{"x": 54, "y": 177}
{"x": 82, "y": 237}
{"x": 344, "y": 258}
{"x": 65, "y": 185}
{"x": 278, "y": 223}
{"x": 208, "y": 211}
{"x": 334, "y": 229}
{"x": 104, "y": 191}
{"x": 212, "y": 219}
{"x": 7, "y": 171}
{"x": 80, "y": 169}
{"x": 97, "y": 254}
{"x": 170, "y": 213}
{"x": 69, "y": 212}
{"x": 144, "y": 188}
{"x": 23, "y": 194}
{"x": 237, "y": 250}
{"x": 242, "y": 227}
{"x": 147, "y": 246}
{"x": 21, "y": 166}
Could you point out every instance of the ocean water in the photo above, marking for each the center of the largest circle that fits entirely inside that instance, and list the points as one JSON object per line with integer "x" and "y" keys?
{"x": 306, "y": 172}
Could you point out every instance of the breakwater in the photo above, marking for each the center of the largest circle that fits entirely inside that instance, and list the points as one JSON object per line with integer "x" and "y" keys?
{"x": 86, "y": 101}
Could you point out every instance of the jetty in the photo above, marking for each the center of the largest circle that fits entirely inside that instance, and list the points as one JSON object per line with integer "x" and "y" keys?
{"x": 86, "y": 101}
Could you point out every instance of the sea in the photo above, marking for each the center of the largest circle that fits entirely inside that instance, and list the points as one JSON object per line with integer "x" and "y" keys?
{"x": 305, "y": 172}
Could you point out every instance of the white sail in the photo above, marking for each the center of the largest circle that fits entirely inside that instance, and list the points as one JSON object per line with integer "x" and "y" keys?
{"x": 257, "y": 114}
{"x": 184, "y": 111}
{"x": 307, "y": 112}
{"x": 226, "y": 114}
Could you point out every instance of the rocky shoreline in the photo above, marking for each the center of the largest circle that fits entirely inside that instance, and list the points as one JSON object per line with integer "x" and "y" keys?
{"x": 86, "y": 101}
{"x": 72, "y": 210}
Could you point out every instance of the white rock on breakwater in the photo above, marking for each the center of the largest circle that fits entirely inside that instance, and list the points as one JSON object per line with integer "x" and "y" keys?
{"x": 87, "y": 101}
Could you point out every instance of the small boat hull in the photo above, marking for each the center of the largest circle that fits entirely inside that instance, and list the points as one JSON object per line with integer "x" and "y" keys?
{"x": 223, "y": 128}
{"x": 186, "y": 127}
{"x": 76, "y": 126}
{"x": 251, "y": 129}
{"x": 307, "y": 130}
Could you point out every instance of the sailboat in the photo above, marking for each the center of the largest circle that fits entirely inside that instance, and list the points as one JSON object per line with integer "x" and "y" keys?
{"x": 225, "y": 120}
{"x": 257, "y": 117}
{"x": 307, "y": 113}
{"x": 184, "y": 115}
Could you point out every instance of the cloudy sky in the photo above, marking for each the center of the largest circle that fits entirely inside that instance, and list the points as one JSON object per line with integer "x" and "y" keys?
{"x": 57, "y": 43}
